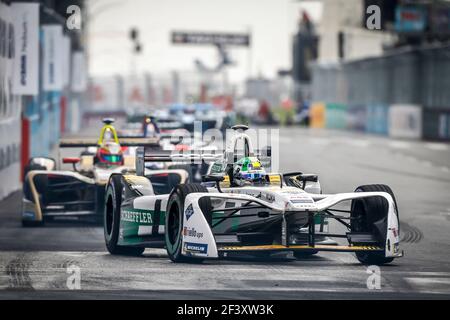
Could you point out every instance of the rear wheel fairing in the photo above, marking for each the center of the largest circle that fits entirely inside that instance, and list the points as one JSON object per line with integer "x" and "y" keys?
{"x": 65, "y": 189}
{"x": 142, "y": 219}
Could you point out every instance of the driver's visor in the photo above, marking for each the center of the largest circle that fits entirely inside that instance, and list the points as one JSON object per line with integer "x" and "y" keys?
{"x": 111, "y": 158}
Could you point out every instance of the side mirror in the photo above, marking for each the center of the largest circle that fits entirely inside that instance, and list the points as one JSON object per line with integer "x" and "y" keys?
{"x": 71, "y": 160}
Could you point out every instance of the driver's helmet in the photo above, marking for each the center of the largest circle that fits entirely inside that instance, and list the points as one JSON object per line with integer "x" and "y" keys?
{"x": 150, "y": 127}
{"x": 110, "y": 153}
{"x": 249, "y": 169}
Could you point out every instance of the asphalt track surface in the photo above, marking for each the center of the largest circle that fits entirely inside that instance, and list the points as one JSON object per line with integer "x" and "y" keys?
{"x": 37, "y": 262}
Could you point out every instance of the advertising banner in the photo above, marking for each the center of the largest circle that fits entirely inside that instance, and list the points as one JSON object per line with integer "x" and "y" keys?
{"x": 9, "y": 107}
{"x": 356, "y": 118}
{"x": 66, "y": 47}
{"x": 336, "y": 116}
{"x": 53, "y": 57}
{"x": 218, "y": 38}
{"x": 410, "y": 19}
{"x": 377, "y": 118}
{"x": 436, "y": 124}
{"x": 317, "y": 115}
{"x": 405, "y": 121}
{"x": 26, "y": 40}
{"x": 79, "y": 81}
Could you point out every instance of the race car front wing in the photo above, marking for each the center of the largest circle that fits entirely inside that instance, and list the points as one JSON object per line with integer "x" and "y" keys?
{"x": 203, "y": 243}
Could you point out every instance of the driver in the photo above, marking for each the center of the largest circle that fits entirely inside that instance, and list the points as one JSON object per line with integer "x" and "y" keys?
{"x": 109, "y": 154}
{"x": 248, "y": 171}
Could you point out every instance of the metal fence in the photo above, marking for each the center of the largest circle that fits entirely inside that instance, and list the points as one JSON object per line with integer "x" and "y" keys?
{"x": 419, "y": 76}
{"x": 415, "y": 76}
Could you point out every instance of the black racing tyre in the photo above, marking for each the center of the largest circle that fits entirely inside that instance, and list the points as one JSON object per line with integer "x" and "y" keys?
{"x": 187, "y": 168}
{"x": 113, "y": 200}
{"x": 31, "y": 223}
{"x": 304, "y": 254}
{"x": 366, "y": 214}
{"x": 174, "y": 219}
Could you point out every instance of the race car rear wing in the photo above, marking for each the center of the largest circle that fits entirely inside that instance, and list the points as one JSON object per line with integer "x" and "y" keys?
{"x": 93, "y": 142}
{"x": 156, "y": 154}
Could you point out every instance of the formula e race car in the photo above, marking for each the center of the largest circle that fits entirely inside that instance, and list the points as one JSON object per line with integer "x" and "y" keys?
{"x": 242, "y": 208}
{"x": 50, "y": 193}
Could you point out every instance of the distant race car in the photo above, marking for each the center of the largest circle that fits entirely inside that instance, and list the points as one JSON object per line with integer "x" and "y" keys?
{"x": 49, "y": 193}
{"x": 242, "y": 208}
{"x": 207, "y": 115}
{"x": 146, "y": 125}
{"x": 169, "y": 139}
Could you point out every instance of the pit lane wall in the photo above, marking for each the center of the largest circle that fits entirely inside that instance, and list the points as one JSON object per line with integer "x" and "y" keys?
{"x": 402, "y": 94}
{"x": 34, "y": 114}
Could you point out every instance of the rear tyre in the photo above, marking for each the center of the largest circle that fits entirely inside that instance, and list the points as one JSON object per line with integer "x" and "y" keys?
{"x": 304, "y": 254}
{"x": 366, "y": 214}
{"x": 31, "y": 223}
{"x": 174, "y": 219}
{"x": 188, "y": 168}
{"x": 113, "y": 201}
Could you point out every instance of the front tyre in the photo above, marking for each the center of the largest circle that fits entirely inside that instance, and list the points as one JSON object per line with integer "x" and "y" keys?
{"x": 367, "y": 215}
{"x": 111, "y": 221}
{"x": 32, "y": 223}
{"x": 174, "y": 219}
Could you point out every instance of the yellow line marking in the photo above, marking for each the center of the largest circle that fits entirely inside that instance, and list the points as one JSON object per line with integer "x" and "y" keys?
{"x": 298, "y": 247}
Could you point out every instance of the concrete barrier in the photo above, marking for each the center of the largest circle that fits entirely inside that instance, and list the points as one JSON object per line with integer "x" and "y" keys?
{"x": 10, "y": 155}
{"x": 405, "y": 121}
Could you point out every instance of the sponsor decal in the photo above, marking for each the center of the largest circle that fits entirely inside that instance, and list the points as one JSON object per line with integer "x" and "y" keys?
{"x": 274, "y": 179}
{"x": 396, "y": 247}
{"x": 269, "y": 197}
{"x": 136, "y": 186}
{"x": 302, "y": 201}
{"x": 196, "y": 247}
{"x": 290, "y": 192}
{"x": 189, "y": 211}
{"x": 28, "y": 215}
{"x": 138, "y": 216}
{"x": 191, "y": 232}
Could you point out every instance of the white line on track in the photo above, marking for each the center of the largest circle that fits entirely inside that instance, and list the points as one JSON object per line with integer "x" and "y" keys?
{"x": 284, "y": 140}
{"x": 358, "y": 143}
{"x": 430, "y": 284}
{"x": 427, "y": 163}
{"x": 437, "y": 146}
{"x": 399, "y": 144}
{"x": 320, "y": 141}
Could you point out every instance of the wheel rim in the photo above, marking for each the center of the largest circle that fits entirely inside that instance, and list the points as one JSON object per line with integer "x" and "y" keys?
{"x": 173, "y": 224}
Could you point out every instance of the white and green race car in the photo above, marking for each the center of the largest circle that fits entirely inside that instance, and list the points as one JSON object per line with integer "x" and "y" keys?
{"x": 241, "y": 208}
